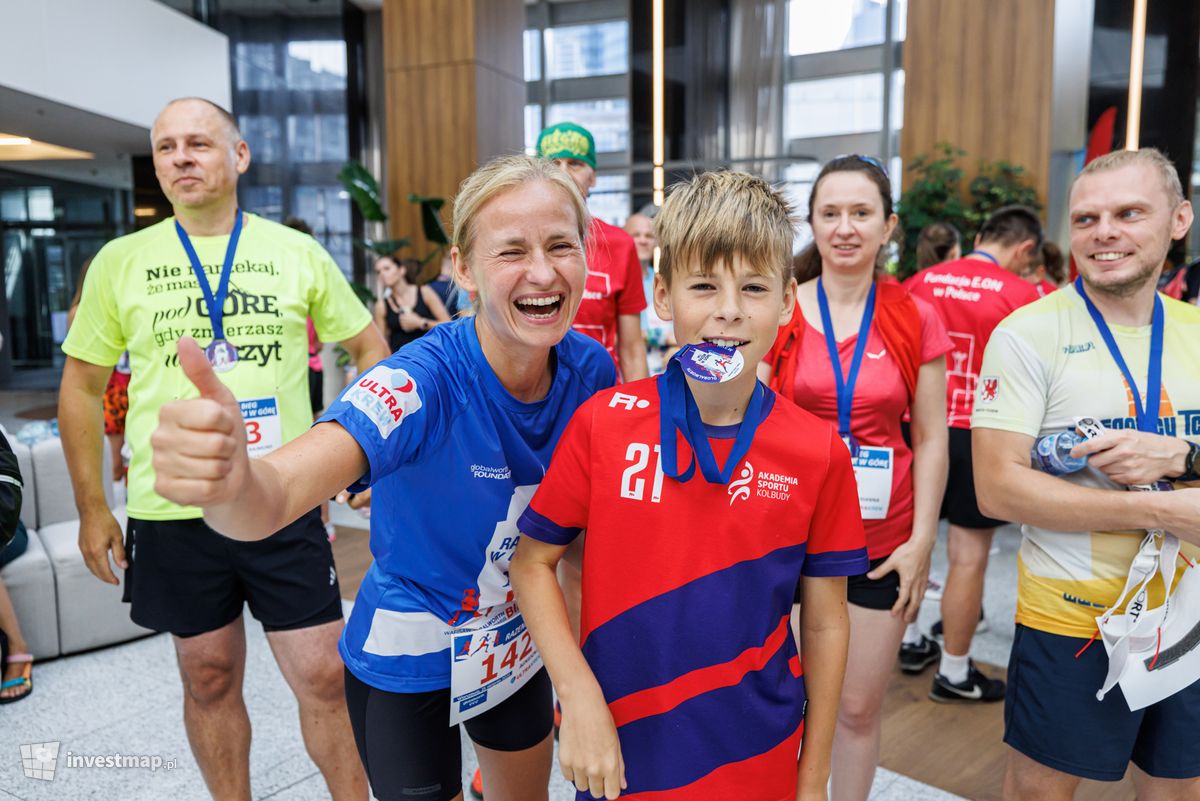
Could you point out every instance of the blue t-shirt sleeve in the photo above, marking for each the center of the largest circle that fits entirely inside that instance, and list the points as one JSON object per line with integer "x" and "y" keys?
{"x": 394, "y": 411}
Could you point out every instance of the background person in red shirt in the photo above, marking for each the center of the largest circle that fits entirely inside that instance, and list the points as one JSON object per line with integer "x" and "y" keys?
{"x": 972, "y": 295}
{"x": 613, "y": 298}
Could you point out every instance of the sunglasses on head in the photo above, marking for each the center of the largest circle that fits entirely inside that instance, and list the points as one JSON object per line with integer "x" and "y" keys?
{"x": 871, "y": 160}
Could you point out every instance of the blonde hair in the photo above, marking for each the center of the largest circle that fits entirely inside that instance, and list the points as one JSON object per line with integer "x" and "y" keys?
{"x": 501, "y": 175}
{"x": 1147, "y": 155}
{"x": 716, "y": 216}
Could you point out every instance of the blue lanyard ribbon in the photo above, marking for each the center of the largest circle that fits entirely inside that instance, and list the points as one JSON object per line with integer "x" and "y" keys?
{"x": 1147, "y": 414}
{"x": 216, "y": 303}
{"x": 983, "y": 254}
{"x": 678, "y": 412}
{"x": 845, "y": 385}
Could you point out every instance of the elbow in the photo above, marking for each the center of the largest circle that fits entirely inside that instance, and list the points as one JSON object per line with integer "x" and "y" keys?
{"x": 989, "y": 500}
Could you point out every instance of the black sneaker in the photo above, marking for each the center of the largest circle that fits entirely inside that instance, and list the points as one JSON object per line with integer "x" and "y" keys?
{"x": 977, "y": 687}
{"x": 915, "y": 657}
{"x": 935, "y": 630}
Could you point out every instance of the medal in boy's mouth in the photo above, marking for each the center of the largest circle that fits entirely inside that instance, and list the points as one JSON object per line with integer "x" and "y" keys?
{"x": 710, "y": 362}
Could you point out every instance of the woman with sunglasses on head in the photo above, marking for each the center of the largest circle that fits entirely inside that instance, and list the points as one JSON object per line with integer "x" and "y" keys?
{"x": 860, "y": 353}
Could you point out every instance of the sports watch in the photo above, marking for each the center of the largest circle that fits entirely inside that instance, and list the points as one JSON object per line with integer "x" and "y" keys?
{"x": 1191, "y": 464}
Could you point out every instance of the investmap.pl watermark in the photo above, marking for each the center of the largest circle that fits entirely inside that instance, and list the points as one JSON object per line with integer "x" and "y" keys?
{"x": 42, "y": 760}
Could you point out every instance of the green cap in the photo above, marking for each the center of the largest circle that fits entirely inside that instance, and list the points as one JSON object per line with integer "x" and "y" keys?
{"x": 566, "y": 140}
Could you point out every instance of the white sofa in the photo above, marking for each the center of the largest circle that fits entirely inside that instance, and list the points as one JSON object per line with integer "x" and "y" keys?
{"x": 61, "y": 606}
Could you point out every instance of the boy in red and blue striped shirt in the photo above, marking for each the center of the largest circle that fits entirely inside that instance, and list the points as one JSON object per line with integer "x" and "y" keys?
{"x": 687, "y": 683}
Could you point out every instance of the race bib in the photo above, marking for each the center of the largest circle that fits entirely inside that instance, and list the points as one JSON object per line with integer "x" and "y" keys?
{"x": 263, "y": 430}
{"x": 873, "y": 471}
{"x": 491, "y": 658}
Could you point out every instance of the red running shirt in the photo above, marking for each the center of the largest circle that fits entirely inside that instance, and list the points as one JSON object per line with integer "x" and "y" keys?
{"x": 614, "y": 285}
{"x": 971, "y": 296}
{"x": 1044, "y": 288}
{"x": 687, "y": 588}
{"x": 880, "y": 401}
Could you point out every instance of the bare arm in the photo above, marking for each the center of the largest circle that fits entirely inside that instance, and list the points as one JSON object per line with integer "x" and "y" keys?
{"x": 588, "y": 749}
{"x": 930, "y": 456}
{"x": 200, "y": 460}
{"x": 631, "y": 347}
{"x": 825, "y": 642}
{"x": 1007, "y": 487}
{"x": 367, "y": 348}
{"x": 379, "y": 313}
{"x": 81, "y": 426}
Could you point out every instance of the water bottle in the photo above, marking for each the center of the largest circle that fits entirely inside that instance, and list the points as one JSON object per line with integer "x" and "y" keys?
{"x": 1052, "y": 454}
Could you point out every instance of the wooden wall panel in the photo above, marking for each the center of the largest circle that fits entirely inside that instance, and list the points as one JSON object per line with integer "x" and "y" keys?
{"x": 455, "y": 97}
{"x": 978, "y": 75}
{"x": 421, "y": 33}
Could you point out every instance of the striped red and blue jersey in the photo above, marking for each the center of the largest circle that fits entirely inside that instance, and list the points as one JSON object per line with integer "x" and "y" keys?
{"x": 688, "y": 587}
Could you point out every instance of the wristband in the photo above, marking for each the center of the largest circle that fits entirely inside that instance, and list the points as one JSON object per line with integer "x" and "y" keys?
{"x": 1191, "y": 468}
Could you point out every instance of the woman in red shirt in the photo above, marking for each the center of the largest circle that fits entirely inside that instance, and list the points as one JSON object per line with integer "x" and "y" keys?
{"x": 860, "y": 354}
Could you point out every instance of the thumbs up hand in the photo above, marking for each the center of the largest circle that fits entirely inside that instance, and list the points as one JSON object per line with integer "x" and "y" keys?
{"x": 200, "y": 444}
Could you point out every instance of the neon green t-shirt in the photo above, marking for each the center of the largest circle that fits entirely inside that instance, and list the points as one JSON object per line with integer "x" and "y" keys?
{"x": 141, "y": 295}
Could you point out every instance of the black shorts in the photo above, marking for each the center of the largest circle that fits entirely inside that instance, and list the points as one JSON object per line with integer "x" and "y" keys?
{"x": 880, "y": 593}
{"x": 959, "y": 506}
{"x": 1051, "y": 714}
{"x": 316, "y": 390}
{"x": 411, "y": 754}
{"x": 187, "y": 579}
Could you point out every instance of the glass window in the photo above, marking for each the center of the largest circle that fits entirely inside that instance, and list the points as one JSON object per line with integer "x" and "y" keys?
{"x": 316, "y": 65}
{"x": 325, "y": 208}
{"x": 265, "y": 201}
{"x": 263, "y": 134}
{"x": 609, "y": 199}
{"x": 317, "y": 137}
{"x": 578, "y": 51}
{"x": 819, "y": 26}
{"x": 897, "y": 110}
{"x": 533, "y": 55}
{"x": 255, "y": 66}
{"x": 533, "y": 127}
{"x": 900, "y": 20}
{"x": 832, "y": 106}
{"x": 12, "y": 205}
{"x": 327, "y": 211}
{"x": 608, "y": 120}
{"x": 41, "y": 203}
{"x": 798, "y": 180}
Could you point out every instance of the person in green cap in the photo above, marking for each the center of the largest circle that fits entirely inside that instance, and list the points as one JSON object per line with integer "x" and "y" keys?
{"x": 613, "y": 299}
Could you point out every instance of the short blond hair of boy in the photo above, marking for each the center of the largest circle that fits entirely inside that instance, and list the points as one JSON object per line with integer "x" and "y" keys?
{"x": 715, "y": 216}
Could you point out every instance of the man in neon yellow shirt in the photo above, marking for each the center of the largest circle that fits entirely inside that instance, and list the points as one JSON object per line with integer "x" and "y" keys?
{"x": 1092, "y": 350}
{"x": 242, "y": 286}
